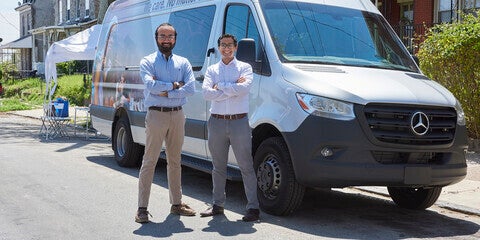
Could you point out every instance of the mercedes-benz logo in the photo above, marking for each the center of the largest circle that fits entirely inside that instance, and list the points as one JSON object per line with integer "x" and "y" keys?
{"x": 419, "y": 123}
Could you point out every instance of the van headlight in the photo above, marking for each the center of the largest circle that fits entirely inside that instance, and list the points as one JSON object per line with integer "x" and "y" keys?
{"x": 325, "y": 107}
{"x": 460, "y": 114}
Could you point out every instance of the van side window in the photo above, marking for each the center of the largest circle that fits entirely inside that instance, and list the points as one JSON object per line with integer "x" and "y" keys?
{"x": 128, "y": 42}
{"x": 193, "y": 31}
{"x": 239, "y": 21}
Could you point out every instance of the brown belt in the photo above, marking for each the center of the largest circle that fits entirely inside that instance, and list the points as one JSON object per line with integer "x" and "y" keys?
{"x": 229, "y": 117}
{"x": 165, "y": 109}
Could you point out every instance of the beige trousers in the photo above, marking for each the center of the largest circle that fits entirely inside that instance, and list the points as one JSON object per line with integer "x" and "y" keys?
{"x": 160, "y": 126}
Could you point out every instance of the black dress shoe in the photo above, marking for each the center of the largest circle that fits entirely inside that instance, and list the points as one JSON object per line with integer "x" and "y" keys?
{"x": 252, "y": 215}
{"x": 213, "y": 210}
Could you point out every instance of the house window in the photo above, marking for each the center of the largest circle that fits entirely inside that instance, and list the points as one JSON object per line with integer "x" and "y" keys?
{"x": 447, "y": 10}
{"x": 60, "y": 11}
{"x": 23, "y": 25}
{"x": 87, "y": 8}
{"x": 471, "y": 4}
{"x": 68, "y": 10}
{"x": 78, "y": 9}
{"x": 407, "y": 12}
{"x": 29, "y": 21}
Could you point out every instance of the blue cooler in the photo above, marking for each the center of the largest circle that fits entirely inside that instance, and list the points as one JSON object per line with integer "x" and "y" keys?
{"x": 61, "y": 107}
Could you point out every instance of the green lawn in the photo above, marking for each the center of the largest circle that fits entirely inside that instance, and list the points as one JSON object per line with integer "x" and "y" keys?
{"x": 30, "y": 93}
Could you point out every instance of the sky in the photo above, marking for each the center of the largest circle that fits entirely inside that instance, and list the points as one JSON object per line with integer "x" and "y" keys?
{"x": 9, "y": 22}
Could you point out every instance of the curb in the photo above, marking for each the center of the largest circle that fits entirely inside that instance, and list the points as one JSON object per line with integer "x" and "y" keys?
{"x": 458, "y": 208}
{"x": 439, "y": 203}
{"x": 21, "y": 115}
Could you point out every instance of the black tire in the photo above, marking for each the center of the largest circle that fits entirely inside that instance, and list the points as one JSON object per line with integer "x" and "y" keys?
{"x": 127, "y": 153}
{"x": 279, "y": 193}
{"x": 414, "y": 198}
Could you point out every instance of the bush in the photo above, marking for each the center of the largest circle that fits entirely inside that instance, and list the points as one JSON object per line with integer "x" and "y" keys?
{"x": 450, "y": 55}
{"x": 72, "y": 67}
{"x": 6, "y": 68}
{"x": 74, "y": 89}
{"x": 29, "y": 90}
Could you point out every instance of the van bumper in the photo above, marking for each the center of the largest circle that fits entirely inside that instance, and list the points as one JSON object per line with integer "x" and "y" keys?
{"x": 357, "y": 161}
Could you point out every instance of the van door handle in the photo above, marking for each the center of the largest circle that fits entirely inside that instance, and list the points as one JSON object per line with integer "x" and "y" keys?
{"x": 210, "y": 51}
{"x": 200, "y": 78}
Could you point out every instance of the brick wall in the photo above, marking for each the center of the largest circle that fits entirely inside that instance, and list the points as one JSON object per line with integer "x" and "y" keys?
{"x": 423, "y": 12}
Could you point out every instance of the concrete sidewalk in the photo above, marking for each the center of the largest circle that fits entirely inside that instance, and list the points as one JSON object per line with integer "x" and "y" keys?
{"x": 461, "y": 197}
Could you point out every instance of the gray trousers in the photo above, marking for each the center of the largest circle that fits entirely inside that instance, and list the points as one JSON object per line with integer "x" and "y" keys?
{"x": 237, "y": 133}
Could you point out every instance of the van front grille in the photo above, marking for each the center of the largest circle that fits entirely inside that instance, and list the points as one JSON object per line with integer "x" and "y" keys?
{"x": 394, "y": 124}
{"x": 385, "y": 157}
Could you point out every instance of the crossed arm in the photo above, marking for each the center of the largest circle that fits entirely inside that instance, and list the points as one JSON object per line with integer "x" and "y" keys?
{"x": 178, "y": 89}
{"x": 222, "y": 90}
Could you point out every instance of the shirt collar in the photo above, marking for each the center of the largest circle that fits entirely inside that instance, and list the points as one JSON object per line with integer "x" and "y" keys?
{"x": 233, "y": 62}
{"x": 160, "y": 54}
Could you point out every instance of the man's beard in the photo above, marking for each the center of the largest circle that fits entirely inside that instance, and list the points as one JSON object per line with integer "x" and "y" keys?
{"x": 165, "y": 49}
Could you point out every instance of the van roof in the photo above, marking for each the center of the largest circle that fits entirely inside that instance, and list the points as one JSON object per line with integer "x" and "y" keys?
{"x": 124, "y": 9}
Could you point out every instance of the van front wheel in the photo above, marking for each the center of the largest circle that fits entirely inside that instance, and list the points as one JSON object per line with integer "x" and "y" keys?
{"x": 127, "y": 153}
{"x": 414, "y": 198}
{"x": 279, "y": 193}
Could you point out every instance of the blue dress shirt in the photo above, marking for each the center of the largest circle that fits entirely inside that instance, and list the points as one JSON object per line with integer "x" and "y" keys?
{"x": 159, "y": 74}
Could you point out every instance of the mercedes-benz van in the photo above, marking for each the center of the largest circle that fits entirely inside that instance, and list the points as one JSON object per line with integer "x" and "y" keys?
{"x": 336, "y": 99}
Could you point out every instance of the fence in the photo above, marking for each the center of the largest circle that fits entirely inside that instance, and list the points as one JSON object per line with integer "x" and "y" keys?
{"x": 412, "y": 34}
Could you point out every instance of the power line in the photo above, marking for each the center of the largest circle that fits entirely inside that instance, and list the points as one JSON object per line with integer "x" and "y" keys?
{"x": 8, "y": 21}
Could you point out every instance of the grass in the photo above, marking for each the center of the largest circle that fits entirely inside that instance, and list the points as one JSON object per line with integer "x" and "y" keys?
{"x": 30, "y": 93}
{"x": 7, "y": 105}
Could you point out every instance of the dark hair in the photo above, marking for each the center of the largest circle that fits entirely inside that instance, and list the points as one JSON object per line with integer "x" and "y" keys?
{"x": 226, "y": 35}
{"x": 164, "y": 24}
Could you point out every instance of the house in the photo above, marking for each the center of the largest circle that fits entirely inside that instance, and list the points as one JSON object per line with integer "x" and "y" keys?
{"x": 411, "y": 18}
{"x": 70, "y": 17}
{"x": 20, "y": 50}
{"x": 43, "y": 22}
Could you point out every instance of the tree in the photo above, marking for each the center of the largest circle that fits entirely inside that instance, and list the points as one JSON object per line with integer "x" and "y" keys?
{"x": 450, "y": 55}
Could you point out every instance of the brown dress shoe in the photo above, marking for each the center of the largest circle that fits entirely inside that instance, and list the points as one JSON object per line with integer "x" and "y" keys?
{"x": 213, "y": 210}
{"x": 252, "y": 215}
{"x": 142, "y": 216}
{"x": 182, "y": 209}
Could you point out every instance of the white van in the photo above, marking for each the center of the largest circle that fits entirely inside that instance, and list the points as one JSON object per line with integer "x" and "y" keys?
{"x": 336, "y": 99}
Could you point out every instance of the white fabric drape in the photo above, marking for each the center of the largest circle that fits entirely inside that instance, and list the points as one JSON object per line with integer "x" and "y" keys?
{"x": 80, "y": 46}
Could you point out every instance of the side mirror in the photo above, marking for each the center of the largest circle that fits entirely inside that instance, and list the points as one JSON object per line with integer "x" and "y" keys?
{"x": 246, "y": 51}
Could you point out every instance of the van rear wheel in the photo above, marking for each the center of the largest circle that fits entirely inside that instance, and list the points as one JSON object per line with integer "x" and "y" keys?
{"x": 279, "y": 193}
{"x": 414, "y": 198}
{"x": 127, "y": 153}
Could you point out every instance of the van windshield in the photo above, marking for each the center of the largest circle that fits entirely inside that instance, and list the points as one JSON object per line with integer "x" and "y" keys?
{"x": 315, "y": 33}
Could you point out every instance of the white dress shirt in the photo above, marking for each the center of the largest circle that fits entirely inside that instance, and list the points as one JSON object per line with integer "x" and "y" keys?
{"x": 230, "y": 97}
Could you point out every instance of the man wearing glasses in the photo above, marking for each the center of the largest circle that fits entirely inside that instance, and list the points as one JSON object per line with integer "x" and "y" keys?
{"x": 168, "y": 80}
{"x": 227, "y": 84}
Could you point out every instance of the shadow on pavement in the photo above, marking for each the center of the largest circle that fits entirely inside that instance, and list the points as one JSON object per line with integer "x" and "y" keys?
{"x": 323, "y": 213}
{"x": 164, "y": 229}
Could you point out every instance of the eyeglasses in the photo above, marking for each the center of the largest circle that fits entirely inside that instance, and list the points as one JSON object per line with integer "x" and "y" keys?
{"x": 229, "y": 46}
{"x": 165, "y": 37}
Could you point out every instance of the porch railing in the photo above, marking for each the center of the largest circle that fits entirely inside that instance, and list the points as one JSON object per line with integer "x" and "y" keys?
{"x": 412, "y": 34}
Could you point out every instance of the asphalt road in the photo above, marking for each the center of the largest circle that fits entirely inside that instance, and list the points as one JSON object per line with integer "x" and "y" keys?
{"x": 73, "y": 189}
